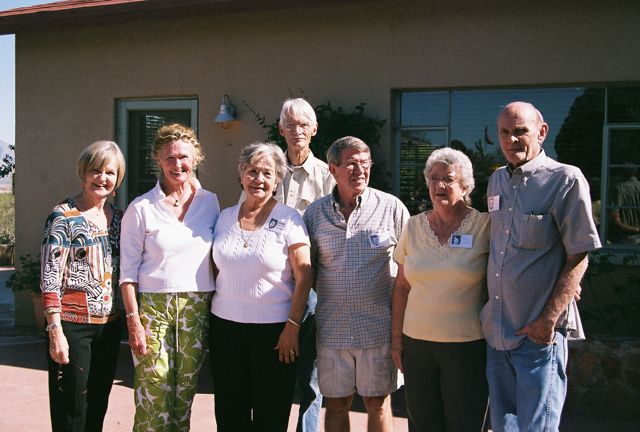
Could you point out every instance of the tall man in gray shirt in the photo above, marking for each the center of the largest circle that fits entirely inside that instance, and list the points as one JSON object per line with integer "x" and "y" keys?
{"x": 541, "y": 232}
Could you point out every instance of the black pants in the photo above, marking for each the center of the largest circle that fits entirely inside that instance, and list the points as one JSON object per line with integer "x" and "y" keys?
{"x": 79, "y": 391}
{"x": 253, "y": 390}
{"x": 445, "y": 384}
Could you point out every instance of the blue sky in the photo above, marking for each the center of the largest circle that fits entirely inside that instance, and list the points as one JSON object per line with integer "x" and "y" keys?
{"x": 8, "y": 75}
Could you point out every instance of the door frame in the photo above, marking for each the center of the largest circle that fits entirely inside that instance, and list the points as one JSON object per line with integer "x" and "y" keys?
{"x": 124, "y": 106}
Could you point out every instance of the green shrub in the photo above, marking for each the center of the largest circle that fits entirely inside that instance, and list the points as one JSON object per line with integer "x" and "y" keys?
{"x": 7, "y": 218}
{"x": 26, "y": 276}
{"x": 334, "y": 123}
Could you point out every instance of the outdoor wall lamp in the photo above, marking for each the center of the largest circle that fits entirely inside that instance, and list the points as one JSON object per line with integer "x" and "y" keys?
{"x": 227, "y": 114}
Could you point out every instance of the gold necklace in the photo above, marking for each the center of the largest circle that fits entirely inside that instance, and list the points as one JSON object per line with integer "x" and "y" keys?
{"x": 258, "y": 226}
{"x": 245, "y": 241}
{"x": 177, "y": 200}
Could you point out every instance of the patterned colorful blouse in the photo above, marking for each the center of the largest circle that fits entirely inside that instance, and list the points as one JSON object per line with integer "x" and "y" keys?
{"x": 80, "y": 266}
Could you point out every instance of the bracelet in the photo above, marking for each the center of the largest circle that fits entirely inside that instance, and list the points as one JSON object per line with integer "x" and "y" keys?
{"x": 51, "y": 326}
{"x": 52, "y": 309}
{"x": 292, "y": 321}
{"x": 131, "y": 315}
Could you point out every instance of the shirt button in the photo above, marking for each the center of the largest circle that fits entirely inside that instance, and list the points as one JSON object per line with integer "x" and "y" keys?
{"x": 514, "y": 187}
{"x": 497, "y": 297}
{"x": 506, "y": 231}
{"x": 510, "y": 209}
{"x": 501, "y": 252}
{"x": 497, "y": 274}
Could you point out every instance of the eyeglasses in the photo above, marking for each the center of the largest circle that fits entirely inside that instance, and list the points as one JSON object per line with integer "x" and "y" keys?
{"x": 364, "y": 165}
{"x": 447, "y": 180}
{"x": 294, "y": 126}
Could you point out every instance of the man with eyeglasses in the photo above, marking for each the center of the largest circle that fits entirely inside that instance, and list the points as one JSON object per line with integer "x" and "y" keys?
{"x": 541, "y": 232}
{"x": 353, "y": 232}
{"x": 307, "y": 179}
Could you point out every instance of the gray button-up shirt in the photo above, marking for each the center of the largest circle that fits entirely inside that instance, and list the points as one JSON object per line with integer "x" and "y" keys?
{"x": 354, "y": 269}
{"x": 544, "y": 215}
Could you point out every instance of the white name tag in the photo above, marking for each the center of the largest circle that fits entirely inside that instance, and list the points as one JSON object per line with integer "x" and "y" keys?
{"x": 493, "y": 203}
{"x": 464, "y": 241}
{"x": 380, "y": 240}
{"x": 275, "y": 225}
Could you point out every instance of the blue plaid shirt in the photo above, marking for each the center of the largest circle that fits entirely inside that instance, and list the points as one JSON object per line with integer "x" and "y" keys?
{"x": 354, "y": 269}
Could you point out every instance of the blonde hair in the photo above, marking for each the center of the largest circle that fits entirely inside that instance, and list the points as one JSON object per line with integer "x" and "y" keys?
{"x": 176, "y": 132}
{"x": 99, "y": 154}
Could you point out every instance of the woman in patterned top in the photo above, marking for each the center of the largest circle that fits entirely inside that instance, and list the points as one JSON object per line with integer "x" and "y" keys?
{"x": 80, "y": 264}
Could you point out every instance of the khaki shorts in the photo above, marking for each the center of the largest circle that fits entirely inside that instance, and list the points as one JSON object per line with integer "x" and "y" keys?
{"x": 369, "y": 372}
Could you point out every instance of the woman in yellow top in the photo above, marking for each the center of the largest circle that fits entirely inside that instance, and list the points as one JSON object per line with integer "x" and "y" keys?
{"x": 440, "y": 288}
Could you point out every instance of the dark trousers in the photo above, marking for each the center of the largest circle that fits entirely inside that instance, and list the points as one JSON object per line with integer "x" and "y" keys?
{"x": 445, "y": 385}
{"x": 253, "y": 389}
{"x": 79, "y": 391}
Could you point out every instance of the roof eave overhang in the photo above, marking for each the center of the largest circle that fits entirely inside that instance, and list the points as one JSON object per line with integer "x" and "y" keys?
{"x": 79, "y": 13}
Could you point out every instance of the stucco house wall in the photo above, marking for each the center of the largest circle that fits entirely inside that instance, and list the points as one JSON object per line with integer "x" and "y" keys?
{"x": 68, "y": 80}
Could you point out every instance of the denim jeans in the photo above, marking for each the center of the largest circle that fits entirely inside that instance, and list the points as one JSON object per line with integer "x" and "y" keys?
{"x": 528, "y": 385}
{"x": 310, "y": 397}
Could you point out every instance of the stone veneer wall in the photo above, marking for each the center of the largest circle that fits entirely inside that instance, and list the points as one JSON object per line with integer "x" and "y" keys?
{"x": 604, "y": 375}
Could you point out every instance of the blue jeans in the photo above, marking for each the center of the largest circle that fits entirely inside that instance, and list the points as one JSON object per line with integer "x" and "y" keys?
{"x": 528, "y": 385}
{"x": 310, "y": 397}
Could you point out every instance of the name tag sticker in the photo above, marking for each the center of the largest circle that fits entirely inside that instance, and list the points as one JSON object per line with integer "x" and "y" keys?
{"x": 464, "y": 241}
{"x": 379, "y": 240}
{"x": 275, "y": 225}
{"x": 493, "y": 203}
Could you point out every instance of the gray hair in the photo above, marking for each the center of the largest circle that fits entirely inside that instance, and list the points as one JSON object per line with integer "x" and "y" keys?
{"x": 254, "y": 151}
{"x": 334, "y": 153}
{"x": 299, "y": 108}
{"x": 459, "y": 161}
{"x": 99, "y": 154}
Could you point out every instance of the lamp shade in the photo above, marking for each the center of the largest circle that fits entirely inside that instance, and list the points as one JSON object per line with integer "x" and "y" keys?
{"x": 226, "y": 116}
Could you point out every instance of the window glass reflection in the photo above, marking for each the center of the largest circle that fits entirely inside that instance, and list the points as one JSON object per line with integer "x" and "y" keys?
{"x": 424, "y": 109}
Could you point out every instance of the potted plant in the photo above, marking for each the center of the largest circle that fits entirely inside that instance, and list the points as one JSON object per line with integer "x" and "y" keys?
{"x": 26, "y": 278}
{"x": 7, "y": 249}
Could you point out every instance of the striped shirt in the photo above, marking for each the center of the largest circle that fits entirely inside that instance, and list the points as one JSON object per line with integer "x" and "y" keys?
{"x": 543, "y": 215}
{"x": 354, "y": 269}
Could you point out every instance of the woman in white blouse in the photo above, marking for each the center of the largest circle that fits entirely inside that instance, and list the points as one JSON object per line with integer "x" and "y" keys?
{"x": 167, "y": 282}
{"x": 261, "y": 249}
{"x": 440, "y": 288}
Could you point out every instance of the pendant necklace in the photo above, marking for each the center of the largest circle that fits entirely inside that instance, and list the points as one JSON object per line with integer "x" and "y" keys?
{"x": 177, "y": 200}
{"x": 247, "y": 240}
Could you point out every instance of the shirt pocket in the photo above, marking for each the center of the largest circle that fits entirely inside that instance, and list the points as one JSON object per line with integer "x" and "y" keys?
{"x": 533, "y": 231}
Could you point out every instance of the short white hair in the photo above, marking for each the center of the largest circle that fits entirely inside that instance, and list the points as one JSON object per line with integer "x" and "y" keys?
{"x": 297, "y": 108}
{"x": 459, "y": 161}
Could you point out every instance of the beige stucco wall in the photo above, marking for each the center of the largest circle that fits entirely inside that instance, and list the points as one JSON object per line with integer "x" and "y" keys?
{"x": 68, "y": 80}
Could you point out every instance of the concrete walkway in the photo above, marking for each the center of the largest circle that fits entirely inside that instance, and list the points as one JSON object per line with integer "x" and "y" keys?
{"x": 23, "y": 384}
{"x": 25, "y": 404}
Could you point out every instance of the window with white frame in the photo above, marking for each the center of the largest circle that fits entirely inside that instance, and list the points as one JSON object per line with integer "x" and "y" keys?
{"x": 595, "y": 127}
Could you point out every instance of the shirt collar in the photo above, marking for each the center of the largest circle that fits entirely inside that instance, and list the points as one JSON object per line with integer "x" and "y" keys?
{"x": 307, "y": 165}
{"x": 530, "y": 167}
{"x": 160, "y": 195}
{"x": 360, "y": 199}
